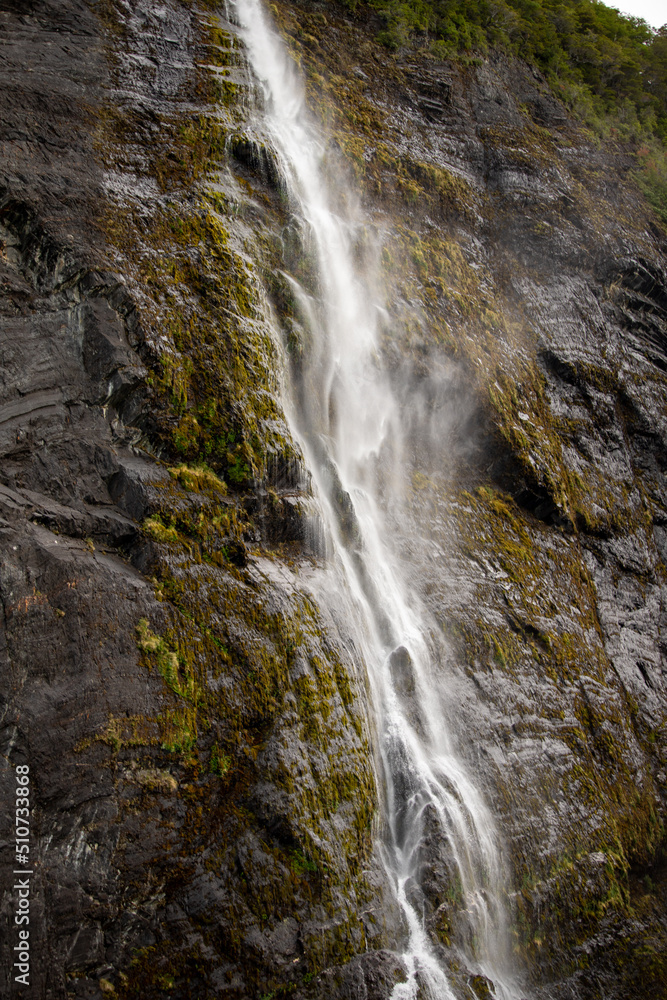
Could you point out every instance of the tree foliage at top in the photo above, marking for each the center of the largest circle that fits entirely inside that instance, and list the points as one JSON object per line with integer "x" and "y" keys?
{"x": 620, "y": 62}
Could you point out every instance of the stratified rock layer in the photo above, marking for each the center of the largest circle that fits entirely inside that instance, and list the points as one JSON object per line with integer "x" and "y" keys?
{"x": 196, "y": 725}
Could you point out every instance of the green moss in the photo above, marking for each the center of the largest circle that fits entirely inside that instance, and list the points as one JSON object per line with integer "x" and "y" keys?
{"x": 481, "y": 988}
{"x": 125, "y": 732}
{"x": 198, "y": 478}
{"x": 302, "y": 865}
{"x": 179, "y": 724}
{"x": 213, "y": 377}
{"x": 544, "y": 575}
{"x": 155, "y": 971}
{"x": 260, "y": 649}
{"x": 160, "y": 531}
{"x": 220, "y": 762}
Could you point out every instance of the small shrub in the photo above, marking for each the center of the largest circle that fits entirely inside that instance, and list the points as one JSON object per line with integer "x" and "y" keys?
{"x": 652, "y": 177}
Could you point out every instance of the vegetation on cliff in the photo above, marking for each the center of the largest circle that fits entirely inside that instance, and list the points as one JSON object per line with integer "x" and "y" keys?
{"x": 610, "y": 68}
{"x": 456, "y": 247}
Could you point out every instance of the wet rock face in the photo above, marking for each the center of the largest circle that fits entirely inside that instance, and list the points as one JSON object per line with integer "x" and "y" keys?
{"x": 196, "y": 726}
{"x": 197, "y": 742}
{"x": 530, "y": 364}
{"x": 402, "y": 672}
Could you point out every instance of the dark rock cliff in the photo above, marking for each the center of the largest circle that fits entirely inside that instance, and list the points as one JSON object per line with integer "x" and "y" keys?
{"x": 196, "y": 725}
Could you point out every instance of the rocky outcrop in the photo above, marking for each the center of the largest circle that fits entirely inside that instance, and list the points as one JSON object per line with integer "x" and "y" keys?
{"x": 196, "y": 725}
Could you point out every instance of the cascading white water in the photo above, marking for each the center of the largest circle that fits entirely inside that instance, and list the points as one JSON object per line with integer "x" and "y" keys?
{"x": 348, "y": 421}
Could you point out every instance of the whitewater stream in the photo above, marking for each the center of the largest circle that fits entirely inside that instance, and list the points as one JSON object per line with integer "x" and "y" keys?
{"x": 348, "y": 422}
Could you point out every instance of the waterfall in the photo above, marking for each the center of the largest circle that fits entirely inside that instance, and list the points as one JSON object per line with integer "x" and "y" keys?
{"x": 347, "y": 419}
